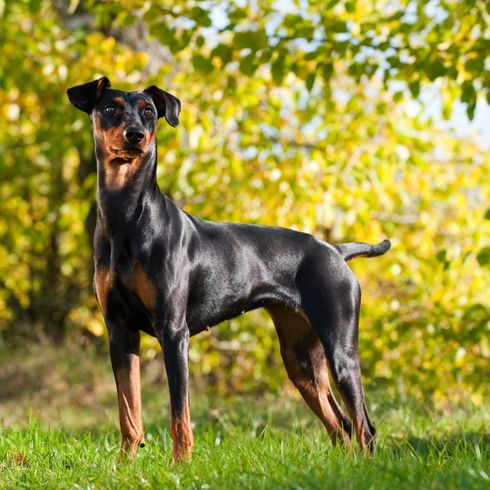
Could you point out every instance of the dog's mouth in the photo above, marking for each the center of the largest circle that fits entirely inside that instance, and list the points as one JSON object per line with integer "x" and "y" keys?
{"x": 125, "y": 155}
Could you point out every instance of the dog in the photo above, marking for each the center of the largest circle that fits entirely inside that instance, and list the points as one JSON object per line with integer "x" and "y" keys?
{"x": 164, "y": 272}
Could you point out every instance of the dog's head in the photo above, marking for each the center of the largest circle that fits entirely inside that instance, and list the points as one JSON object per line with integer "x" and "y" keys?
{"x": 124, "y": 122}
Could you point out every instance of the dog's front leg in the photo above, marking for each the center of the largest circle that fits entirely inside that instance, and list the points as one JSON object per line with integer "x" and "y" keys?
{"x": 124, "y": 349}
{"x": 175, "y": 344}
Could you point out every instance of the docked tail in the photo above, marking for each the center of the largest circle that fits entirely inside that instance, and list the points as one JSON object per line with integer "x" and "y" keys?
{"x": 359, "y": 249}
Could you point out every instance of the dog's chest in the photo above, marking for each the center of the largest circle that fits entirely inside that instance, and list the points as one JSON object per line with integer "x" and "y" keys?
{"x": 138, "y": 282}
{"x": 125, "y": 286}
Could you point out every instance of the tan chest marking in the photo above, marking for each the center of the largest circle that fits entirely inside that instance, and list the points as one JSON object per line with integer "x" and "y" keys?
{"x": 102, "y": 286}
{"x": 139, "y": 282}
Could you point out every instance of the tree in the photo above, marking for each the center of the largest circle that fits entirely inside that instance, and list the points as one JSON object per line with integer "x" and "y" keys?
{"x": 294, "y": 117}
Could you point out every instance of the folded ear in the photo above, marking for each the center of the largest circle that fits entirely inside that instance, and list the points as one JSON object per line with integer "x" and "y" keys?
{"x": 86, "y": 95}
{"x": 167, "y": 105}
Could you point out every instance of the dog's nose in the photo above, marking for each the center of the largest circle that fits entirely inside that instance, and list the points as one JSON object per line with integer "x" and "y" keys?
{"x": 134, "y": 135}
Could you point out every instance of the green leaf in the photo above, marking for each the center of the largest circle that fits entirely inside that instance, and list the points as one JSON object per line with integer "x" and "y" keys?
{"x": 311, "y": 55}
{"x": 152, "y": 13}
{"x": 436, "y": 69}
{"x": 278, "y": 70}
{"x": 126, "y": 19}
{"x": 468, "y": 95}
{"x": 200, "y": 41}
{"x": 201, "y": 16}
{"x": 337, "y": 26}
{"x": 467, "y": 91}
{"x": 310, "y": 80}
{"x": 350, "y": 6}
{"x": 442, "y": 256}
{"x": 184, "y": 40}
{"x": 355, "y": 70}
{"x": 265, "y": 56}
{"x": 253, "y": 40}
{"x": 475, "y": 65}
{"x": 447, "y": 108}
{"x": 291, "y": 20}
{"x": 163, "y": 34}
{"x": 247, "y": 65}
{"x": 414, "y": 87}
{"x": 236, "y": 14}
{"x": 470, "y": 110}
{"x": 200, "y": 63}
{"x": 398, "y": 96}
{"x": 326, "y": 70}
{"x": 34, "y": 6}
{"x": 483, "y": 257}
{"x": 222, "y": 51}
{"x": 241, "y": 40}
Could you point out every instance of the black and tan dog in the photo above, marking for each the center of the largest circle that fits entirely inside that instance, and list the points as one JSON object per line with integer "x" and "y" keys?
{"x": 162, "y": 271}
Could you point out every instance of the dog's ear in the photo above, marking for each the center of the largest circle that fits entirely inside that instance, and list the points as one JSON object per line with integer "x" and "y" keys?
{"x": 167, "y": 105}
{"x": 86, "y": 95}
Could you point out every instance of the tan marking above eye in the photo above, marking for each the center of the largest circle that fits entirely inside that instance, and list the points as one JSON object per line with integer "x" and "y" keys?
{"x": 142, "y": 103}
{"x": 118, "y": 101}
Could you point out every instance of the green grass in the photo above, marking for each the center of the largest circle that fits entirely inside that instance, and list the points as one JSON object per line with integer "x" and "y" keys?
{"x": 264, "y": 441}
{"x": 236, "y": 452}
{"x": 242, "y": 459}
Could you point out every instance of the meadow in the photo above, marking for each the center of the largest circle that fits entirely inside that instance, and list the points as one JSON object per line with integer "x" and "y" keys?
{"x": 68, "y": 437}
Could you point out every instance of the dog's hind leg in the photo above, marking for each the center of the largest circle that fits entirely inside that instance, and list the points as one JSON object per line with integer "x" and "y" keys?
{"x": 332, "y": 306}
{"x": 305, "y": 362}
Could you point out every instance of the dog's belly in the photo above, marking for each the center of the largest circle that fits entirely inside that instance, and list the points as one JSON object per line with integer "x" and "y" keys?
{"x": 238, "y": 268}
{"x": 221, "y": 302}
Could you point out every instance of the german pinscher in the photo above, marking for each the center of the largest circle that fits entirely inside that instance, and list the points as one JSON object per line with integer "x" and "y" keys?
{"x": 166, "y": 273}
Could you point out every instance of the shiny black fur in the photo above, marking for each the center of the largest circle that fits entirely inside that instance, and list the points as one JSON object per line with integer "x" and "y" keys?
{"x": 203, "y": 273}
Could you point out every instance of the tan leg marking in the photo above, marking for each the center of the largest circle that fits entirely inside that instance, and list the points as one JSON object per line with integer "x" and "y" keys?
{"x": 182, "y": 437}
{"x": 129, "y": 400}
{"x": 306, "y": 364}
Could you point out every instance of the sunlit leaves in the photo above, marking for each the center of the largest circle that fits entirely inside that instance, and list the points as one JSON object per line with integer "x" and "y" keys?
{"x": 288, "y": 119}
{"x": 409, "y": 42}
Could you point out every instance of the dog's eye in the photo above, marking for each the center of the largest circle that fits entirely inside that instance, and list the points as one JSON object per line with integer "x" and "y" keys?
{"x": 148, "y": 112}
{"x": 110, "y": 109}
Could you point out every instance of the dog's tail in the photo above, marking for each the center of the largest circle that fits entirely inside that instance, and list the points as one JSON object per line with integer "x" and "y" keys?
{"x": 359, "y": 249}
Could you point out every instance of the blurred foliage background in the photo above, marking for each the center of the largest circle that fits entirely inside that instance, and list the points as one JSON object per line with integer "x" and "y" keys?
{"x": 346, "y": 119}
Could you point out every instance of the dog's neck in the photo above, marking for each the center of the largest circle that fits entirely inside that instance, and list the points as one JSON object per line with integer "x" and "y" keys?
{"x": 124, "y": 186}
